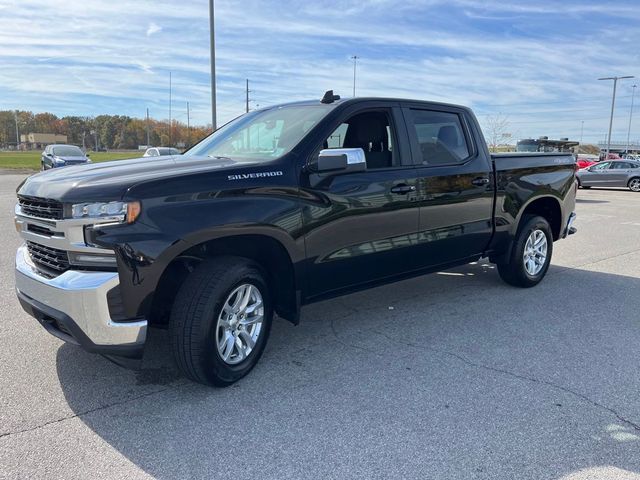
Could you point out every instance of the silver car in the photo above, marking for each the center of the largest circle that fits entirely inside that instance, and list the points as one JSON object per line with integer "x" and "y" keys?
{"x": 161, "y": 151}
{"x": 613, "y": 173}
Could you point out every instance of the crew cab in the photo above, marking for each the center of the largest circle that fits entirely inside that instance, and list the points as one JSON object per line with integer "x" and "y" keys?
{"x": 279, "y": 208}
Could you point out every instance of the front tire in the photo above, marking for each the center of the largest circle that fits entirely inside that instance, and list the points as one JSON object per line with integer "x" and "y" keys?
{"x": 634, "y": 184}
{"x": 530, "y": 255}
{"x": 220, "y": 321}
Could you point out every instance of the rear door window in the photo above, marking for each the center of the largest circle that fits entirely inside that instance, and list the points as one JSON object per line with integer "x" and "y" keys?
{"x": 440, "y": 136}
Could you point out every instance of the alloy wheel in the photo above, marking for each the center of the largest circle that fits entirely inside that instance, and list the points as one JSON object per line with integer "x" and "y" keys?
{"x": 239, "y": 323}
{"x": 535, "y": 252}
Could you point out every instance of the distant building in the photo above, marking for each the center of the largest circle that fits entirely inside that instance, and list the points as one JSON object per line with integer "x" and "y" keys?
{"x": 41, "y": 140}
{"x": 543, "y": 144}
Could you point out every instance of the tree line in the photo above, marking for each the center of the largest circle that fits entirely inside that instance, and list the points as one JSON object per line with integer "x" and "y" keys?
{"x": 108, "y": 131}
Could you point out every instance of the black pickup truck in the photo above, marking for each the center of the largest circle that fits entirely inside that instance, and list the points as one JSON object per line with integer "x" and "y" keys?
{"x": 279, "y": 208}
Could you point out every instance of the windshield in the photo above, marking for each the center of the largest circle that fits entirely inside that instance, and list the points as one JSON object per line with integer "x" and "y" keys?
{"x": 264, "y": 134}
{"x": 68, "y": 152}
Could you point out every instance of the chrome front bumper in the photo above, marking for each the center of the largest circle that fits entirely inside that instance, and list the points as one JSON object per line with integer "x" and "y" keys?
{"x": 74, "y": 307}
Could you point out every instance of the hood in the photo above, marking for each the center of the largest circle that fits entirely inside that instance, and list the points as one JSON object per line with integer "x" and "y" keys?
{"x": 110, "y": 180}
{"x": 71, "y": 159}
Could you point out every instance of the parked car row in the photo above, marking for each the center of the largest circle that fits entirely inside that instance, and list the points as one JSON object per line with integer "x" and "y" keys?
{"x": 56, "y": 156}
{"x": 614, "y": 173}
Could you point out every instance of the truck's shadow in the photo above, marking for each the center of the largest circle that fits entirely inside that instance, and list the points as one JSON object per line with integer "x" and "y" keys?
{"x": 450, "y": 375}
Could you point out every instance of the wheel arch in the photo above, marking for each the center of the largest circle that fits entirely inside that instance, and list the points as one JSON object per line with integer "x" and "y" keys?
{"x": 269, "y": 253}
{"x": 549, "y": 208}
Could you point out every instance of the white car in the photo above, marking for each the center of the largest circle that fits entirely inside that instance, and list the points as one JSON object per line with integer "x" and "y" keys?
{"x": 161, "y": 151}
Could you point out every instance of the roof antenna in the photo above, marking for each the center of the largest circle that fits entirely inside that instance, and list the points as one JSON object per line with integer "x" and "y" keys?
{"x": 329, "y": 97}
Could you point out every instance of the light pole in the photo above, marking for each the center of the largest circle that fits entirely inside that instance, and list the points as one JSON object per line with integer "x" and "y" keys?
{"x": 188, "y": 127}
{"x": 633, "y": 94}
{"x": 247, "y": 97}
{"x": 147, "y": 128}
{"x": 213, "y": 66}
{"x": 17, "y": 132}
{"x": 355, "y": 62}
{"x": 613, "y": 105}
{"x": 95, "y": 134}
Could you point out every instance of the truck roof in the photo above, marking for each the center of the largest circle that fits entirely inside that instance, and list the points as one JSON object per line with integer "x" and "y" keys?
{"x": 351, "y": 100}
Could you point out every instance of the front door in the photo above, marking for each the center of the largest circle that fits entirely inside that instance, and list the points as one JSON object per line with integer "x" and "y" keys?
{"x": 359, "y": 227}
{"x": 455, "y": 185}
{"x": 597, "y": 175}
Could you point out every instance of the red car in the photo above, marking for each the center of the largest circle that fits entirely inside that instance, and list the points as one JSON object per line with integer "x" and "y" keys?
{"x": 584, "y": 163}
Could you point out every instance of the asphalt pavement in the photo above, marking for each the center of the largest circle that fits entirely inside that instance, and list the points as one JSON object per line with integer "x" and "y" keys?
{"x": 454, "y": 375}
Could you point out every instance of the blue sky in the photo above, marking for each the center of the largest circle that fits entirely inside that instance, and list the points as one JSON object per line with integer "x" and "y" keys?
{"x": 536, "y": 62}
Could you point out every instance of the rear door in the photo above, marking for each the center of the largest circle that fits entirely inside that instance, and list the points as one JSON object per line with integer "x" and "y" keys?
{"x": 361, "y": 227}
{"x": 619, "y": 173}
{"x": 455, "y": 184}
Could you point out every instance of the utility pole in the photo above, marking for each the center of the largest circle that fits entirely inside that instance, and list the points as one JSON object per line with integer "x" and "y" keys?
{"x": 355, "y": 62}
{"x": 213, "y": 66}
{"x": 95, "y": 134}
{"x": 247, "y": 97}
{"x": 17, "y": 132}
{"x": 633, "y": 94}
{"x": 188, "y": 128}
{"x": 170, "y": 126}
{"x": 613, "y": 106}
{"x": 148, "y": 141}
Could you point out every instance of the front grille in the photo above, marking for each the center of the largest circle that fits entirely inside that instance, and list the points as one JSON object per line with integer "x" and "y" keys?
{"x": 39, "y": 230}
{"x": 51, "y": 259}
{"x": 41, "y": 207}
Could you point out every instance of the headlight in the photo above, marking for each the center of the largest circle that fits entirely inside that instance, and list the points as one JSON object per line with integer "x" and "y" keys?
{"x": 116, "y": 211}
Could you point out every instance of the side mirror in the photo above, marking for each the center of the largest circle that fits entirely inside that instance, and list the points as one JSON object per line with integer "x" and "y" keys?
{"x": 341, "y": 160}
{"x": 87, "y": 155}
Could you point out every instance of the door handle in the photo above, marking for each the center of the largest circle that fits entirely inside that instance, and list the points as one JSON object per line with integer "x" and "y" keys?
{"x": 480, "y": 181}
{"x": 403, "y": 189}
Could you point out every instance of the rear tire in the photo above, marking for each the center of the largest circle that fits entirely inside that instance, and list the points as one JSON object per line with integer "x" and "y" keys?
{"x": 634, "y": 184}
{"x": 204, "y": 330}
{"x": 530, "y": 255}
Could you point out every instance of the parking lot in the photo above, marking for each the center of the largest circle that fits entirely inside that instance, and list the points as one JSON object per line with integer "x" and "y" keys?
{"x": 452, "y": 375}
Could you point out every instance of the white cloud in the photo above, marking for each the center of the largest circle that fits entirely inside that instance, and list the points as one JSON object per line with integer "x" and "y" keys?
{"x": 153, "y": 28}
